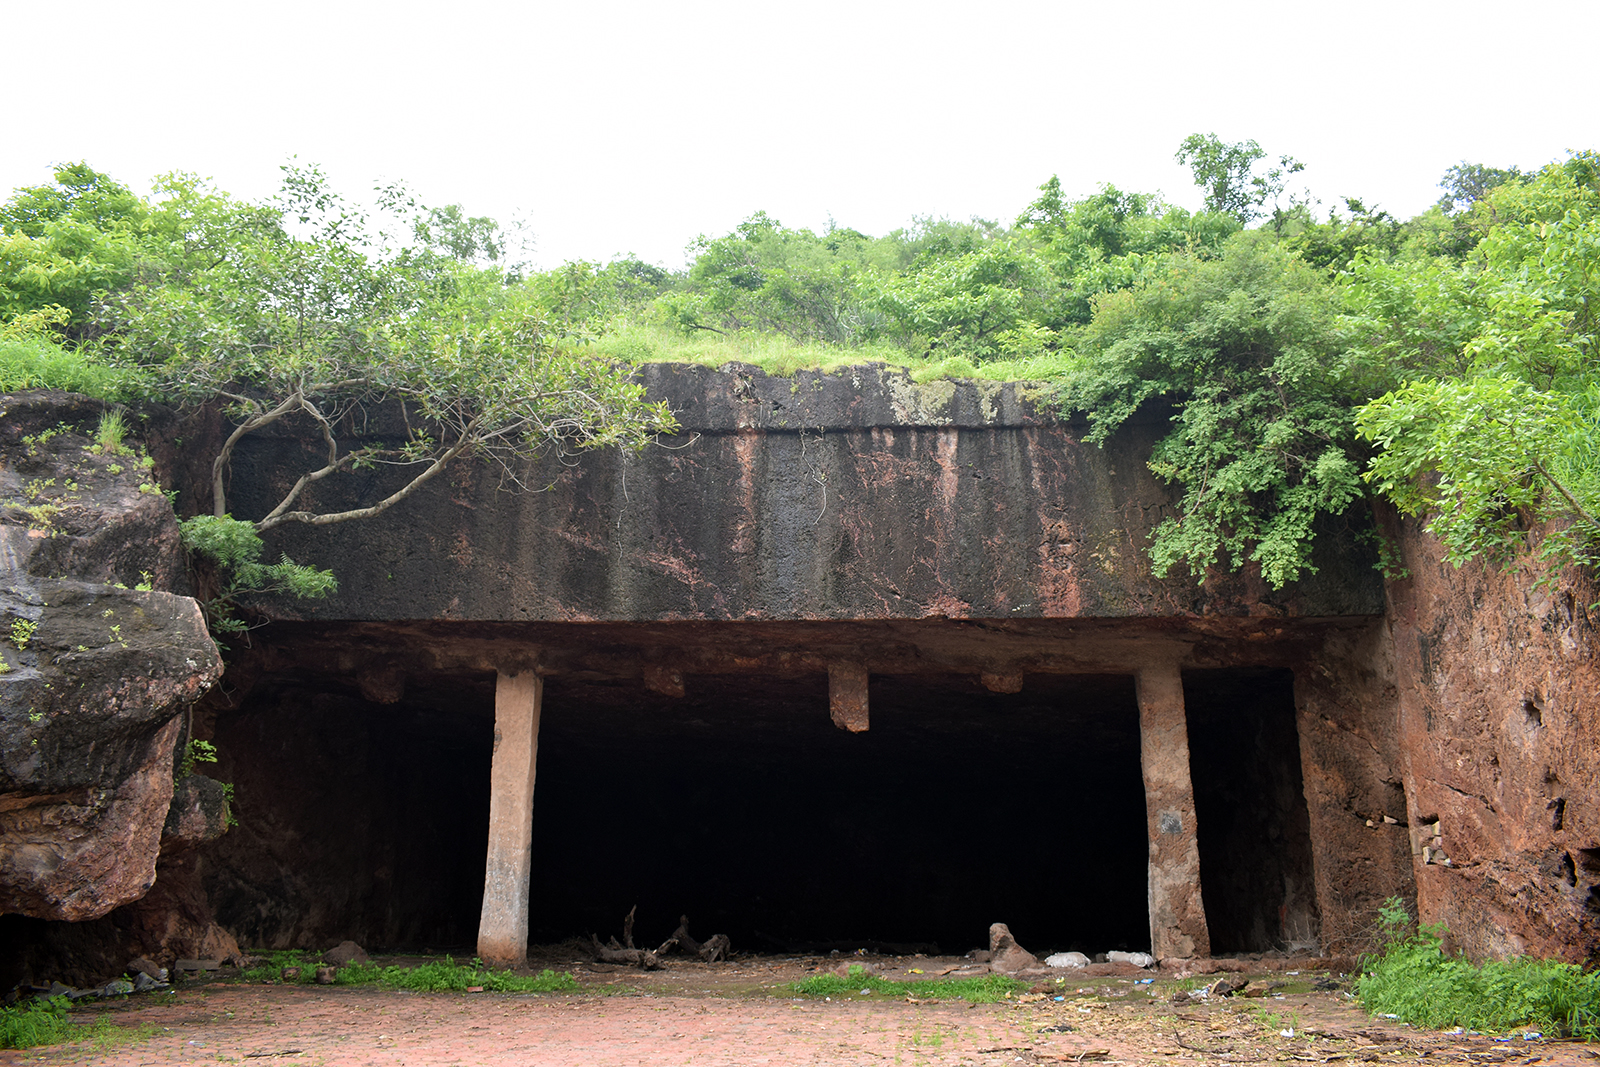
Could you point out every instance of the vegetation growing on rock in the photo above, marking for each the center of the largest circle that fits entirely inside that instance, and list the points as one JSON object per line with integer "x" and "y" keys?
{"x": 1311, "y": 361}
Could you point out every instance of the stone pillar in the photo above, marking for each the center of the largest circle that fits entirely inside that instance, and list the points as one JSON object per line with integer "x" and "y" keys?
{"x": 847, "y": 695}
{"x": 503, "y": 927}
{"x": 1177, "y": 913}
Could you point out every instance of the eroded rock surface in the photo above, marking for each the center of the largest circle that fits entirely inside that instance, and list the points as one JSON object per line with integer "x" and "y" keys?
{"x": 1500, "y": 744}
{"x": 96, "y": 675}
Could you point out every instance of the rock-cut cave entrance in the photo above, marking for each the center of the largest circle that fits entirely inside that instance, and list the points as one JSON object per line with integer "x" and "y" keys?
{"x": 740, "y": 804}
{"x": 1254, "y": 830}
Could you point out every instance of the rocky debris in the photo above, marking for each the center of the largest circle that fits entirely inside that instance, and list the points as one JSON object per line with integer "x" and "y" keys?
{"x": 139, "y": 965}
{"x": 325, "y": 975}
{"x": 345, "y": 953}
{"x": 198, "y": 813}
{"x": 1005, "y": 955}
{"x": 1226, "y": 987}
{"x": 117, "y": 987}
{"x": 1067, "y": 959}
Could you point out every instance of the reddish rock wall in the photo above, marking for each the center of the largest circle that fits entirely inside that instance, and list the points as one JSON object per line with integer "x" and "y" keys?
{"x": 1499, "y": 740}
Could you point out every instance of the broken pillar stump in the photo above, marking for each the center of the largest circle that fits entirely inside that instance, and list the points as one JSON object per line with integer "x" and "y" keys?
{"x": 847, "y": 695}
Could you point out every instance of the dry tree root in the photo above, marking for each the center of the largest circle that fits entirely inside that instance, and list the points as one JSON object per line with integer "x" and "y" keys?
{"x": 711, "y": 950}
{"x": 649, "y": 959}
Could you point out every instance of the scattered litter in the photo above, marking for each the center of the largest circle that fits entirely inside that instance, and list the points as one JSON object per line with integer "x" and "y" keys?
{"x": 1286, "y": 1033}
{"x": 1066, "y": 959}
{"x": 1058, "y": 999}
{"x": 1143, "y": 981}
{"x": 1532, "y": 1035}
{"x": 474, "y": 989}
{"x": 1138, "y": 959}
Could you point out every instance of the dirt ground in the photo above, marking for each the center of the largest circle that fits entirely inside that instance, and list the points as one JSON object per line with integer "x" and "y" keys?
{"x": 746, "y": 1012}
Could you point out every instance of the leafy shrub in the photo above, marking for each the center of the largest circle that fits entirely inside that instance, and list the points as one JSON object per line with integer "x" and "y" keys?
{"x": 1415, "y": 981}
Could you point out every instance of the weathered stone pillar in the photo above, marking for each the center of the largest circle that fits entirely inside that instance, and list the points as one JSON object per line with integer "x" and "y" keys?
{"x": 847, "y": 695}
{"x": 503, "y": 927}
{"x": 1177, "y": 914}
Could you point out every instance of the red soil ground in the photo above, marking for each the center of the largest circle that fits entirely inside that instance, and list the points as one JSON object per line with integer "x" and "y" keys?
{"x": 746, "y": 1012}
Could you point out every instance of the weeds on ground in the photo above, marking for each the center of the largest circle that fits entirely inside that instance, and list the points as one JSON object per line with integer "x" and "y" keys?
{"x": 1413, "y": 980}
{"x": 48, "y": 1021}
{"x": 983, "y": 989}
{"x": 435, "y": 976}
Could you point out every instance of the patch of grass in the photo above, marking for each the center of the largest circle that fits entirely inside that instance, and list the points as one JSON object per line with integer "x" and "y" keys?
{"x": 48, "y": 1021}
{"x": 34, "y": 362}
{"x": 982, "y": 989}
{"x": 36, "y": 1022}
{"x": 1415, "y": 981}
{"x": 109, "y": 433}
{"x": 435, "y": 976}
{"x": 782, "y": 357}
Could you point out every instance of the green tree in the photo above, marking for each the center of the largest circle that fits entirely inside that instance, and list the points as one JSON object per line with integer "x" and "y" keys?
{"x": 304, "y": 310}
{"x": 1494, "y": 418}
{"x": 1249, "y": 350}
{"x": 1227, "y": 173}
{"x": 766, "y": 276}
{"x": 298, "y": 311}
{"x": 62, "y": 245}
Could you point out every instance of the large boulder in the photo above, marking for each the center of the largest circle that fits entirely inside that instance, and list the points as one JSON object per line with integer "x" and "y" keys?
{"x": 95, "y": 674}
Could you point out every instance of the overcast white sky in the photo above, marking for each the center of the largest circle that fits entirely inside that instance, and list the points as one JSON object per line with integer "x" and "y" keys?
{"x": 621, "y": 126}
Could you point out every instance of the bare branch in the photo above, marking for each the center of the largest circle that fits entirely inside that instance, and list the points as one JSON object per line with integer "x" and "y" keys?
{"x": 462, "y": 444}
{"x": 219, "y": 466}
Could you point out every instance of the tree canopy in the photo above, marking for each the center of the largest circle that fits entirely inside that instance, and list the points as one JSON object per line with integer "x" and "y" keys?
{"x": 1310, "y": 361}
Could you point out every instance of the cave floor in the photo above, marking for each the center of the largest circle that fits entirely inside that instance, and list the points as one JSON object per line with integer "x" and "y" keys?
{"x": 746, "y": 1012}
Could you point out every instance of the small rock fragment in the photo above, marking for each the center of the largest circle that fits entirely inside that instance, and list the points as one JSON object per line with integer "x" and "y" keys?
{"x": 140, "y": 965}
{"x": 345, "y": 953}
{"x": 1005, "y": 955}
{"x": 290, "y": 974}
{"x": 325, "y": 975}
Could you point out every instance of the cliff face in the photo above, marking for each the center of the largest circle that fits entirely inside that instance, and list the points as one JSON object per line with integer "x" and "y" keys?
{"x": 1499, "y": 736}
{"x": 967, "y": 550}
{"x": 851, "y": 495}
{"x": 96, "y": 674}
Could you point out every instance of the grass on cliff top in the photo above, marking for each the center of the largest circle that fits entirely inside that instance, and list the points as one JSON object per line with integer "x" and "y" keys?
{"x": 782, "y": 357}
{"x": 983, "y": 989}
{"x": 1414, "y": 981}
{"x": 33, "y": 362}
{"x": 435, "y": 976}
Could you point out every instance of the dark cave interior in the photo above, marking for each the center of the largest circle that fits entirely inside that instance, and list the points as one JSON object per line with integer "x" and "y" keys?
{"x": 741, "y": 805}
{"x": 1250, "y": 808}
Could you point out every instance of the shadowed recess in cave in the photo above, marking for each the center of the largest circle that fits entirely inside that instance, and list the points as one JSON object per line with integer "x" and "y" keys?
{"x": 743, "y": 806}
{"x": 1250, "y": 807}
{"x": 739, "y": 804}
